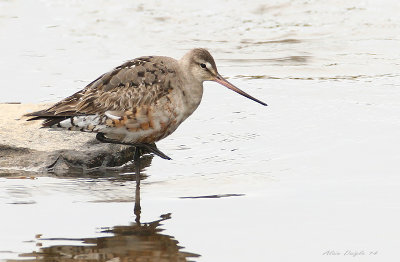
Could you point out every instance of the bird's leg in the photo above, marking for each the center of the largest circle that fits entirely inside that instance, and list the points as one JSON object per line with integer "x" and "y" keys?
{"x": 136, "y": 159}
{"x": 138, "y": 208}
{"x": 153, "y": 149}
{"x": 150, "y": 147}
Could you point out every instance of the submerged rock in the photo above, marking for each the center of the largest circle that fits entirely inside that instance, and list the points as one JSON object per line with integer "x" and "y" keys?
{"x": 24, "y": 146}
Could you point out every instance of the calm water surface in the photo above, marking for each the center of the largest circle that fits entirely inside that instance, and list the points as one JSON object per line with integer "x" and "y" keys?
{"x": 315, "y": 171}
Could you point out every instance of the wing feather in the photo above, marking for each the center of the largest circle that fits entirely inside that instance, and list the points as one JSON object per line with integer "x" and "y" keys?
{"x": 141, "y": 81}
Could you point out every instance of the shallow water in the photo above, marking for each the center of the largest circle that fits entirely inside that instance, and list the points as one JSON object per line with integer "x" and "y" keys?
{"x": 312, "y": 175}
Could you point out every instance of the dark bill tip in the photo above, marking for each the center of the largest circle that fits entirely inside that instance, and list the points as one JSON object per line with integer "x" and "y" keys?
{"x": 219, "y": 79}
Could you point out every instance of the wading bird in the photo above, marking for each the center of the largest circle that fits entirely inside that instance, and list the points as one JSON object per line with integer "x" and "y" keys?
{"x": 139, "y": 102}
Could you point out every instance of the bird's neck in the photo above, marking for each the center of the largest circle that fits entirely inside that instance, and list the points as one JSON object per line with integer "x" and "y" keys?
{"x": 192, "y": 94}
{"x": 192, "y": 89}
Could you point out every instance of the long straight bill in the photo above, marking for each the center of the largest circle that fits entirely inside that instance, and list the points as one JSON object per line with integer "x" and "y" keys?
{"x": 224, "y": 82}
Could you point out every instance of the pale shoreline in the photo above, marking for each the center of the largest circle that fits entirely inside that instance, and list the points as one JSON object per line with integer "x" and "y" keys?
{"x": 25, "y": 146}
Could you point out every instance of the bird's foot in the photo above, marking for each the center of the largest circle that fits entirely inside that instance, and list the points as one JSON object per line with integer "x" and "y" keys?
{"x": 152, "y": 148}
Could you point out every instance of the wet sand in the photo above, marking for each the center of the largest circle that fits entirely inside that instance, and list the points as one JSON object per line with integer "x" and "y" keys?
{"x": 313, "y": 176}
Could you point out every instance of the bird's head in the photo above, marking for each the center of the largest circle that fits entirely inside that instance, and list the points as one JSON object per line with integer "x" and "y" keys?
{"x": 202, "y": 67}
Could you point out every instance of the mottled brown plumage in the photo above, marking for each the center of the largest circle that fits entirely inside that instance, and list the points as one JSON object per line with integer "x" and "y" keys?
{"x": 138, "y": 82}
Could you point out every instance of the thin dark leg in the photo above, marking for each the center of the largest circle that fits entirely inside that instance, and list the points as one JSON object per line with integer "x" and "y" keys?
{"x": 136, "y": 159}
{"x": 150, "y": 147}
{"x": 138, "y": 208}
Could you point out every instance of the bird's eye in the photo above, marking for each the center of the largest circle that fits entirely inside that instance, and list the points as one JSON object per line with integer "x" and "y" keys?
{"x": 203, "y": 65}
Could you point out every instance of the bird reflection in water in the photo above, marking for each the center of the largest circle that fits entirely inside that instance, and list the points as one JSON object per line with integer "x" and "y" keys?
{"x": 135, "y": 242}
